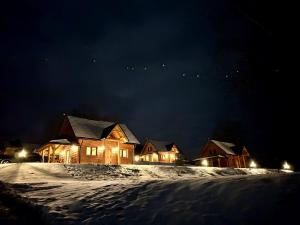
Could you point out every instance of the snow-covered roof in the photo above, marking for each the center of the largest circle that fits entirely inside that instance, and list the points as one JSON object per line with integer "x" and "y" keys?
{"x": 226, "y": 146}
{"x": 95, "y": 129}
{"x": 60, "y": 141}
{"x": 162, "y": 146}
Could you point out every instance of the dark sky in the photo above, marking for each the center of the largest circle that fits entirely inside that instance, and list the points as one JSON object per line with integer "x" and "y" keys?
{"x": 171, "y": 70}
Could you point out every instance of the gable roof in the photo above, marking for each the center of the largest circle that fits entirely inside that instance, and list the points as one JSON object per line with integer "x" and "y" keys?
{"x": 162, "y": 146}
{"x": 225, "y": 146}
{"x": 95, "y": 129}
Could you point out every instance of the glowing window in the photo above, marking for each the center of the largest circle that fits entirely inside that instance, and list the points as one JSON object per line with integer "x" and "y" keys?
{"x": 100, "y": 149}
{"x": 88, "y": 150}
{"x": 94, "y": 151}
{"x": 124, "y": 153}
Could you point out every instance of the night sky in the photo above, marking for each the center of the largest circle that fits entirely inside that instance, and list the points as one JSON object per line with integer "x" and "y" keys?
{"x": 183, "y": 71}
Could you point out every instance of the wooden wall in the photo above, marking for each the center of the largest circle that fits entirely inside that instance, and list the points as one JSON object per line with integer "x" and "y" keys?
{"x": 236, "y": 161}
{"x": 107, "y": 156}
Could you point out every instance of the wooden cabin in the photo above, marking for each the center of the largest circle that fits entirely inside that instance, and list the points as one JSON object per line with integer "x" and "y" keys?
{"x": 223, "y": 154}
{"x": 90, "y": 141}
{"x": 159, "y": 151}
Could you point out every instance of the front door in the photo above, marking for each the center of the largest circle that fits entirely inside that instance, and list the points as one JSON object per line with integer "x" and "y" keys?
{"x": 107, "y": 156}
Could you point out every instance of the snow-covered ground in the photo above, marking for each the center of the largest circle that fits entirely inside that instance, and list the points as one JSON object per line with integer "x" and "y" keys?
{"x": 136, "y": 194}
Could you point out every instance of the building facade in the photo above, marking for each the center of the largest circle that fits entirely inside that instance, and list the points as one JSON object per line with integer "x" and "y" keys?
{"x": 223, "y": 154}
{"x": 91, "y": 141}
{"x": 159, "y": 151}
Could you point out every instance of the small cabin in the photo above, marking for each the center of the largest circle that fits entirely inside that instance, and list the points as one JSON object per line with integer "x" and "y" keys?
{"x": 223, "y": 154}
{"x": 159, "y": 151}
{"x": 90, "y": 141}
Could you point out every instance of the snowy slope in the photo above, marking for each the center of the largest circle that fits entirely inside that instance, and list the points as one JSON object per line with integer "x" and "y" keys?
{"x": 100, "y": 172}
{"x": 88, "y": 194}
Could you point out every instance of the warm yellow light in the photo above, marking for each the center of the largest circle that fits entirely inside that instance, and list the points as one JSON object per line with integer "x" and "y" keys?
{"x": 286, "y": 166}
{"x": 62, "y": 153}
{"x": 101, "y": 149}
{"x": 115, "y": 150}
{"x": 253, "y": 164}
{"x": 136, "y": 158}
{"x": 204, "y": 162}
{"x": 22, "y": 154}
{"x": 74, "y": 147}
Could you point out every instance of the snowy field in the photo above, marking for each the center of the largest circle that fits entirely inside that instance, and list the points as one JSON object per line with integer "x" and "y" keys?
{"x": 136, "y": 194}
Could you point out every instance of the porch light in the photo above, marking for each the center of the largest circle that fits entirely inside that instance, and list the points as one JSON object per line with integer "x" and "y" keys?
{"x": 137, "y": 158}
{"x": 115, "y": 150}
{"x": 286, "y": 166}
{"x": 204, "y": 162}
{"x": 22, "y": 154}
{"x": 74, "y": 147}
{"x": 253, "y": 164}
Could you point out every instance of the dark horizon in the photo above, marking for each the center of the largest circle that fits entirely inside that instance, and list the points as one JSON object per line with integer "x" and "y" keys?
{"x": 180, "y": 71}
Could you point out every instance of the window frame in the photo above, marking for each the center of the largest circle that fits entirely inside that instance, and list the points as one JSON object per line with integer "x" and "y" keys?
{"x": 122, "y": 153}
{"x": 88, "y": 151}
{"x": 93, "y": 150}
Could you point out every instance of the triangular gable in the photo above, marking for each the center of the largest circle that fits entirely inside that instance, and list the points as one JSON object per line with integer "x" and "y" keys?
{"x": 245, "y": 151}
{"x": 159, "y": 146}
{"x": 117, "y": 133}
{"x": 146, "y": 147}
{"x": 175, "y": 149}
{"x": 66, "y": 130}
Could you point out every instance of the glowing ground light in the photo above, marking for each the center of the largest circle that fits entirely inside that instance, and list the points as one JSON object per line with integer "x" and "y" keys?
{"x": 22, "y": 154}
{"x": 204, "y": 162}
{"x": 136, "y": 158}
{"x": 253, "y": 164}
{"x": 286, "y": 166}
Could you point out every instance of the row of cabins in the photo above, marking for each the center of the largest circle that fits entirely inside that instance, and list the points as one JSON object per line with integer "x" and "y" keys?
{"x": 90, "y": 141}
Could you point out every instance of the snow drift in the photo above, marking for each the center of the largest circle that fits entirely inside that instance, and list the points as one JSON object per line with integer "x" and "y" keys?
{"x": 100, "y": 172}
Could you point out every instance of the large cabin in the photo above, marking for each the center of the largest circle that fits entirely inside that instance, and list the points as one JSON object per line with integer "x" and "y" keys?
{"x": 223, "y": 154}
{"x": 159, "y": 151}
{"x": 90, "y": 141}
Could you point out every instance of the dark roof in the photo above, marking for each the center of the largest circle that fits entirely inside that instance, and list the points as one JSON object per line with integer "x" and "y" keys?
{"x": 138, "y": 149}
{"x": 162, "y": 146}
{"x": 94, "y": 129}
{"x": 238, "y": 149}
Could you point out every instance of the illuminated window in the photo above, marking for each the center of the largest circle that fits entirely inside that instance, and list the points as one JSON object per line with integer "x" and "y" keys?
{"x": 94, "y": 151}
{"x": 124, "y": 153}
{"x": 88, "y": 150}
{"x": 100, "y": 149}
{"x": 164, "y": 156}
{"x": 91, "y": 151}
